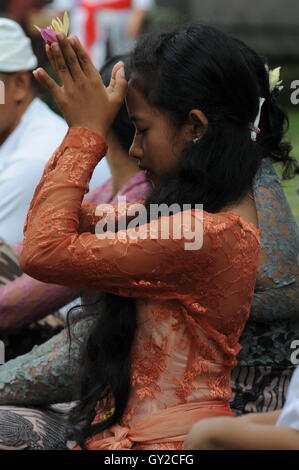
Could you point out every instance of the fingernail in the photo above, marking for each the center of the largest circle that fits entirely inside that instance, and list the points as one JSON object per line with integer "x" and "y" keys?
{"x": 60, "y": 36}
{"x": 55, "y": 46}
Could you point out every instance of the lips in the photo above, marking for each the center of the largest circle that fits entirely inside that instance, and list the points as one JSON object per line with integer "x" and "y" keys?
{"x": 148, "y": 173}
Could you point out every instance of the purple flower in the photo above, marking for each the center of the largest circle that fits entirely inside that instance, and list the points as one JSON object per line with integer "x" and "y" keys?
{"x": 48, "y": 35}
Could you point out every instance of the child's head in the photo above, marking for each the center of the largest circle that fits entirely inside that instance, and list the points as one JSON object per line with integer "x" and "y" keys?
{"x": 197, "y": 93}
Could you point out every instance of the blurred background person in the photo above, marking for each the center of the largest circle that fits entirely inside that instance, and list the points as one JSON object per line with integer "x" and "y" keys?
{"x": 29, "y": 130}
{"x": 106, "y": 27}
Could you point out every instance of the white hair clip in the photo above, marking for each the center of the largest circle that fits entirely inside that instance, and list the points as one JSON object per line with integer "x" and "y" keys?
{"x": 254, "y": 126}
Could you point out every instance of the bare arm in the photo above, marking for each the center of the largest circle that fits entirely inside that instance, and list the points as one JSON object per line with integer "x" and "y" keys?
{"x": 238, "y": 434}
{"x": 136, "y": 21}
{"x": 261, "y": 418}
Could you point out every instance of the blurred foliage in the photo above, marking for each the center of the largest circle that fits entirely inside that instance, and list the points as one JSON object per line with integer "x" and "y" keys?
{"x": 164, "y": 18}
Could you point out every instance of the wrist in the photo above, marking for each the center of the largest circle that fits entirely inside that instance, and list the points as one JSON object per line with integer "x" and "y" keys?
{"x": 100, "y": 131}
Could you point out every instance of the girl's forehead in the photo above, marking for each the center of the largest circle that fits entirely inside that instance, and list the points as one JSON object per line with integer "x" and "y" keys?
{"x": 137, "y": 102}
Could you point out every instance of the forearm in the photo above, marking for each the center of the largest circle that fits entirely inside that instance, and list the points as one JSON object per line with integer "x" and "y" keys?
{"x": 136, "y": 22}
{"x": 46, "y": 374}
{"x": 261, "y": 418}
{"x": 252, "y": 436}
{"x": 26, "y": 300}
{"x": 139, "y": 15}
{"x": 70, "y": 170}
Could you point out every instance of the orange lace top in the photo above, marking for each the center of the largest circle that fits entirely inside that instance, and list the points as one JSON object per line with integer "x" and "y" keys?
{"x": 192, "y": 304}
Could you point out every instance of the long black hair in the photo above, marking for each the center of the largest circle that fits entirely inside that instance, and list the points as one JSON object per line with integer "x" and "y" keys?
{"x": 274, "y": 122}
{"x": 196, "y": 67}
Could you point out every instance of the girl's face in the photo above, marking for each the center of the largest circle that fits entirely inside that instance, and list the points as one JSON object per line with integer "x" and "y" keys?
{"x": 157, "y": 143}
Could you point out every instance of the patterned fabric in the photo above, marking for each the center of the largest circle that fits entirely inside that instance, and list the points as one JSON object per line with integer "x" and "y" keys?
{"x": 264, "y": 364}
{"x": 290, "y": 414}
{"x": 36, "y": 299}
{"x": 260, "y": 380}
{"x": 29, "y": 429}
{"x": 9, "y": 264}
{"x": 22, "y": 340}
{"x": 192, "y": 304}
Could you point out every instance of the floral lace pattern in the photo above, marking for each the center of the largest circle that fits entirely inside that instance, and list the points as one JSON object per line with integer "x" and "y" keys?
{"x": 274, "y": 316}
{"x": 261, "y": 378}
{"x": 206, "y": 293}
{"x": 37, "y": 299}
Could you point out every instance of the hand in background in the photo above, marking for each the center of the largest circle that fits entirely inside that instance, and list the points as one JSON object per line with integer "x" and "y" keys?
{"x": 135, "y": 23}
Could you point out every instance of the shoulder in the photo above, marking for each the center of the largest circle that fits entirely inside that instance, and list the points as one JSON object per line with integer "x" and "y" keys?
{"x": 227, "y": 220}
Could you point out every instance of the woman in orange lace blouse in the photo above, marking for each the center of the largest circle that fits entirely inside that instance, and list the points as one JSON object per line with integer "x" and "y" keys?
{"x": 159, "y": 356}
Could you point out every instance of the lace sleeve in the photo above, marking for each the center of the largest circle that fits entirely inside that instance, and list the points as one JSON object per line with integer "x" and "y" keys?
{"x": 88, "y": 217}
{"x": 277, "y": 288}
{"x": 147, "y": 261}
{"x": 46, "y": 374}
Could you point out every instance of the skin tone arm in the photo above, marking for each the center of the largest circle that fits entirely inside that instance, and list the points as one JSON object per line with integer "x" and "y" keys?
{"x": 136, "y": 21}
{"x": 250, "y": 432}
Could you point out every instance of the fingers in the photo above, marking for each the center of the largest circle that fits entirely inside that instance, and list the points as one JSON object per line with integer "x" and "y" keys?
{"x": 46, "y": 81}
{"x": 60, "y": 66}
{"x": 70, "y": 57}
{"x": 112, "y": 83}
{"x": 50, "y": 56}
{"x": 118, "y": 84}
{"x": 84, "y": 59}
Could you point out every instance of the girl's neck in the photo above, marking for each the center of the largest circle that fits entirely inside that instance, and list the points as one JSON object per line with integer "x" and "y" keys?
{"x": 121, "y": 166}
{"x": 246, "y": 208}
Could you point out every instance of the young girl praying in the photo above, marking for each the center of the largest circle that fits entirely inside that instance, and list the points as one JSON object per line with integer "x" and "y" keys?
{"x": 159, "y": 354}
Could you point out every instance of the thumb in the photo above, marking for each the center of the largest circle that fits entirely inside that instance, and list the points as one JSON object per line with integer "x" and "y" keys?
{"x": 47, "y": 82}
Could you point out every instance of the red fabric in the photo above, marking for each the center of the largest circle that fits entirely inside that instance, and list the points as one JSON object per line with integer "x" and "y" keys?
{"x": 90, "y": 27}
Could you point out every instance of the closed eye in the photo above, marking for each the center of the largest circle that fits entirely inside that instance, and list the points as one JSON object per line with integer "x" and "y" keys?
{"x": 140, "y": 131}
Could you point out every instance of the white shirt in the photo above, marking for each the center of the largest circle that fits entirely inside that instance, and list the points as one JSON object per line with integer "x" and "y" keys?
{"x": 68, "y": 5}
{"x": 290, "y": 414}
{"x": 23, "y": 156}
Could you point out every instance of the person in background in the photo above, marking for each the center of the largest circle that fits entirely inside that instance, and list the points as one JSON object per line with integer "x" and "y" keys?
{"x": 106, "y": 27}
{"x": 29, "y": 130}
{"x": 277, "y": 430}
{"x": 23, "y": 300}
{"x": 264, "y": 369}
{"x": 160, "y": 290}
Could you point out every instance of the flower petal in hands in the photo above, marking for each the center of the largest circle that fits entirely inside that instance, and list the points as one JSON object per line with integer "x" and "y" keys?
{"x": 48, "y": 35}
{"x": 57, "y": 26}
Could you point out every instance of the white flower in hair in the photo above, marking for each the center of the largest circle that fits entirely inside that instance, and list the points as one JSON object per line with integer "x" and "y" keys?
{"x": 274, "y": 80}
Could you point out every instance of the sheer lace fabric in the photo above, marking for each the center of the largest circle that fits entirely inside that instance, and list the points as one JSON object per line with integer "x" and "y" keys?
{"x": 42, "y": 376}
{"x": 265, "y": 367}
{"x": 192, "y": 305}
{"x": 25, "y": 300}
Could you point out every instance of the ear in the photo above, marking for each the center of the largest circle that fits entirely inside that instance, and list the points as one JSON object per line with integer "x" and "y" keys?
{"x": 21, "y": 85}
{"x": 199, "y": 123}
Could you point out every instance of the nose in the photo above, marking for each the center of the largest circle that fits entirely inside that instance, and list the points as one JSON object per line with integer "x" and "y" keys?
{"x": 136, "y": 148}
